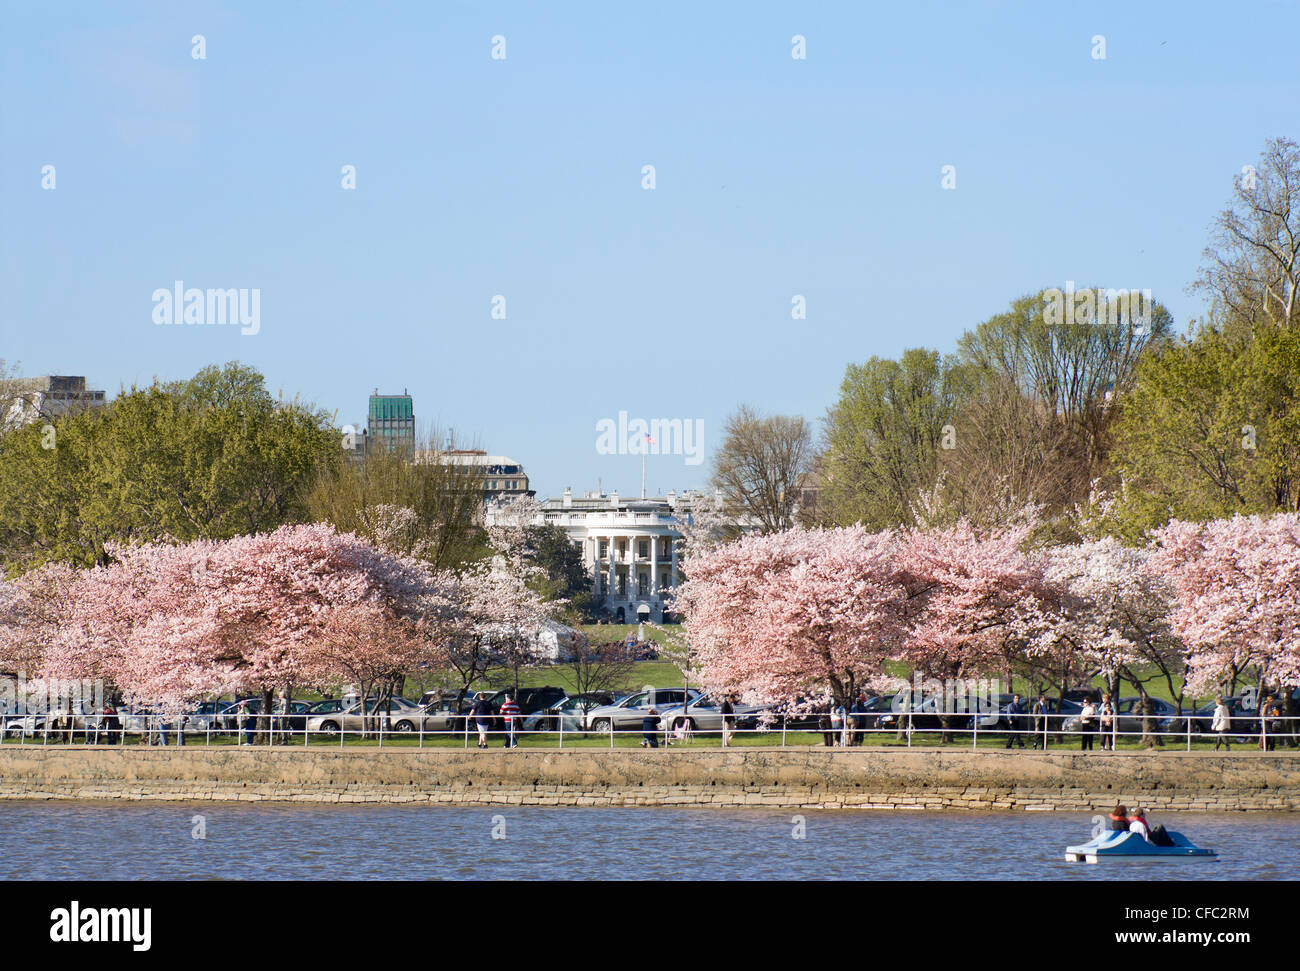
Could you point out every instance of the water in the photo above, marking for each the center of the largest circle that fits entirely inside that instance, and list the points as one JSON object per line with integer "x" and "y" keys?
{"x": 54, "y": 840}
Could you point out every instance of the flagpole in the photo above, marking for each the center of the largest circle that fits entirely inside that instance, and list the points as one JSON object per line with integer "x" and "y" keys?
{"x": 644, "y": 448}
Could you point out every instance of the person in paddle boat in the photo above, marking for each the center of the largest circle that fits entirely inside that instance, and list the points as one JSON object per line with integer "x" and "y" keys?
{"x": 1138, "y": 824}
{"x": 1155, "y": 836}
{"x": 1118, "y": 819}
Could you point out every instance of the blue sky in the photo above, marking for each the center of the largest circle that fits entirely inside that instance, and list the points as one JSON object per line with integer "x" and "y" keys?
{"x": 523, "y": 177}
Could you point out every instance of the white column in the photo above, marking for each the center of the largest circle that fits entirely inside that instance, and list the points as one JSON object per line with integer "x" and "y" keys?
{"x": 613, "y": 587}
{"x": 654, "y": 565}
{"x": 594, "y": 553}
{"x": 672, "y": 574}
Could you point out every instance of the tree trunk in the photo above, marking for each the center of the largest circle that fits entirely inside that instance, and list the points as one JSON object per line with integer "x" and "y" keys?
{"x": 264, "y": 719}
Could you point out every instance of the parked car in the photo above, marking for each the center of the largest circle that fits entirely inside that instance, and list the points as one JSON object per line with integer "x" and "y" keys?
{"x": 533, "y": 700}
{"x": 294, "y": 721}
{"x": 1129, "y": 722}
{"x": 801, "y": 716}
{"x": 928, "y": 716}
{"x": 1080, "y": 695}
{"x": 703, "y": 714}
{"x": 1243, "y": 711}
{"x": 228, "y": 718}
{"x": 437, "y": 716}
{"x": 378, "y": 715}
{"x": 444, "y": 696}
{"x": 629, "y": 714}
{"x": 567, "y": 711}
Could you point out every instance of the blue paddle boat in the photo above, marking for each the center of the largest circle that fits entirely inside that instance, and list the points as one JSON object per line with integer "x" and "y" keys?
{"x": 1123, "y": 845}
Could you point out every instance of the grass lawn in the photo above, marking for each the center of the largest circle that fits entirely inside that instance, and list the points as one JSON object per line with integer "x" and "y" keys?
{"x": 552, "y": 740}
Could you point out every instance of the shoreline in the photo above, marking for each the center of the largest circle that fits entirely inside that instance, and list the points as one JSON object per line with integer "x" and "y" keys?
{"x": 867, "y": 779}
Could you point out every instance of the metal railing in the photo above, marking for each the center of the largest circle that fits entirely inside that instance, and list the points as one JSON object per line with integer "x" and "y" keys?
{"x": 696, "y": 729}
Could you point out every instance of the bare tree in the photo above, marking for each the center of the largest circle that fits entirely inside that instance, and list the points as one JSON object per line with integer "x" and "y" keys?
{"x": 762, "y": 464}
{"x": 605, "y": 666}
{"x": 1252, "y": 265}
{"x": 428, "y": 509}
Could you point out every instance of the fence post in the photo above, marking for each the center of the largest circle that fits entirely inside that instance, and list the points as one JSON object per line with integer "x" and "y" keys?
{"x": 561, "y": 729}
{"x": 783, "y": 720}
{"x": 467, "y": 731}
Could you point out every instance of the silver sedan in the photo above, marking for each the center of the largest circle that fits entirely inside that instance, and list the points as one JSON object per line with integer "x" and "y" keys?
{"x": 704, "y": 715}
{"x": 386, "y": 715}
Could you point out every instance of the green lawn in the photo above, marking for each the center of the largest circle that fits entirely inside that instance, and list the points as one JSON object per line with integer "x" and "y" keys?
{"x": 552, "y": 740}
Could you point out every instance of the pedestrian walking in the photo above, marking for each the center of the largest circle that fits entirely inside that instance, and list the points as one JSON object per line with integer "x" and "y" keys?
{"x": 1087, "y": 725}
{"x": 111, "y": 724}
{"x": 1014, "y": 712}
{"x": 509, "y": 712}
{"x": 1221, "y": 724}
{"x": 1106, "y": 720}
{"x": 826, "y": 726}
{"x": 481, "y": 712}
{"x": 1041, "y": 710}
{"x": 859, "y": 718}
{"x": 1269, "y": 711}
{"x": 727, "y": 711}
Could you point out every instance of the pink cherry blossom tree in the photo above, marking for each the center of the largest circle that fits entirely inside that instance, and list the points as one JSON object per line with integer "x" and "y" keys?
{"x": 167, "y": 623}
{"x": 1115, "y": 611}
{"x": 494, "y": 622}
{"x": 1236, "y": 586}
{"x": 981, "y": 601}
{"x": 794, "y": 614}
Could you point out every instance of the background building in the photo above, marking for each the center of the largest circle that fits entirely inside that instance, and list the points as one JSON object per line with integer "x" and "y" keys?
{"x": 390, "y": 424}
{"x": 630, "y": 547}
{"x": 503, "y": 477}
{"x": 27, "y": 400}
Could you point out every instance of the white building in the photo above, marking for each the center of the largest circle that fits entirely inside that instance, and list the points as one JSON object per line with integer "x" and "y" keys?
{"x": 630, "y": 547}
{"x": 28, "y": 400}
{"x": 502, "y": 477}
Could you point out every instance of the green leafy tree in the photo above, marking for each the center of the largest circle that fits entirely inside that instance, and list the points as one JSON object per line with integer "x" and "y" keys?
{"x": 561, "y": 573}
{"x": 1211, "y": 429}
{"x": 210, "y": 458}
{"x": 441, "y": 506}
{"x": 883, "y": 436}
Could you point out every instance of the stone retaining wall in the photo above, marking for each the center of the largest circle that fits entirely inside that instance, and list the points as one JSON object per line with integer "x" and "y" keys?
{"x": 811, "y": 778}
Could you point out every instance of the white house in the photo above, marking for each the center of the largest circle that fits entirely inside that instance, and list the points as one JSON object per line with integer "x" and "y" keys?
{"x": 630, "y": 547}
